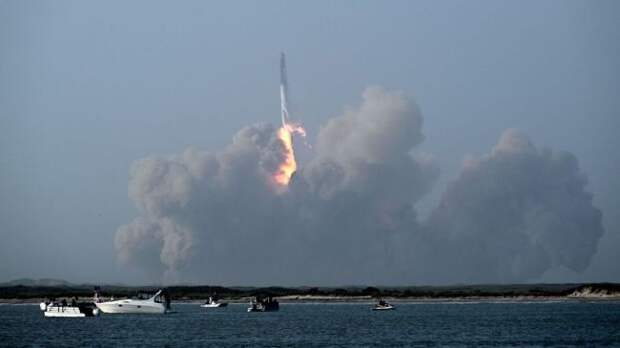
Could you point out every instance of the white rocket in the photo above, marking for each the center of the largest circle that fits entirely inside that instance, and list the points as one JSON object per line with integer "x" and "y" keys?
{"x": 284, "y": 91}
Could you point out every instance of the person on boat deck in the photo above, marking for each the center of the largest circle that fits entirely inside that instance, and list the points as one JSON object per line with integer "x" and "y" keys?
{"x": 74, "y": 302}
{"x": 64, "y": 302}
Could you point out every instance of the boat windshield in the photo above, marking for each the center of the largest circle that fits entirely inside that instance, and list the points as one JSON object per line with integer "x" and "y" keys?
{"x": 162, "y": 298}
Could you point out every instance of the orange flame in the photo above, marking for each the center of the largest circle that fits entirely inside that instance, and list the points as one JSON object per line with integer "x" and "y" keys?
{"x": 288, "y": 165}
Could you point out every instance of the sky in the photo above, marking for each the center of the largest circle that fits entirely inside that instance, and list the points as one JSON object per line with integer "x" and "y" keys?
{"x": 88, "y": 88}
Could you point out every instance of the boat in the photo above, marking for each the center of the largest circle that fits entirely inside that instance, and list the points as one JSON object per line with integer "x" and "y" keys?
{"x": 156, "y": 304}
{"x": 382, "y": 306}
{"x": 263, "y": 304}
{"x": 212, "y": 302}
{"x": 75, "y": 310}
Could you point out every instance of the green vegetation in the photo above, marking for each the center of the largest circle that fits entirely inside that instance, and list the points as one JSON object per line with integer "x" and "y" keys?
{"x": 12, "y": 291}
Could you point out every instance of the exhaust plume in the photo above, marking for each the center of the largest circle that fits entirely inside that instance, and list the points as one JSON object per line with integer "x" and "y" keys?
{"x": 348, "y": 215}
{"x": 515, "y": 213}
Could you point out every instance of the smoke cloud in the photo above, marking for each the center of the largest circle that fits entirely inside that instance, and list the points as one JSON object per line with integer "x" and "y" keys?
{"x": 348, "y": 214}
{"x": 514, "y": 213}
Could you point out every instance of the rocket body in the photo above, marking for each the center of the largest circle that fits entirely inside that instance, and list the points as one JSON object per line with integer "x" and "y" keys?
{"x": 284, "y": 91}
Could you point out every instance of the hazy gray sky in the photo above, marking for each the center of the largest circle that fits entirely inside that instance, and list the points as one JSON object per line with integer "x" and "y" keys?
{"x": 87, "y": 88}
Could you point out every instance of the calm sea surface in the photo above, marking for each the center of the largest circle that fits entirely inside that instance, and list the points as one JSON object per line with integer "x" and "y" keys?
{"x": 327, "y": 325}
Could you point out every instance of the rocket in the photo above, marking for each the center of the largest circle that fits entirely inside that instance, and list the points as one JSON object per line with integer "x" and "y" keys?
{"x": 290, "y": 126}
{"x": 284, "y": 91}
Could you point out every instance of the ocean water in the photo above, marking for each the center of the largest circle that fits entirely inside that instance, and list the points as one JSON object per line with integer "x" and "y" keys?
{"x": 562, "y": 324}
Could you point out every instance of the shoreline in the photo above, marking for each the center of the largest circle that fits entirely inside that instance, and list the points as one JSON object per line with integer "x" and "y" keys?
{"x": 305, "y": 299}
{"x": 13, "y": 293}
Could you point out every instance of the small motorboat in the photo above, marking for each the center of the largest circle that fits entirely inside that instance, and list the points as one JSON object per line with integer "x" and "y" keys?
{"x": 156, "y": 304}
{"x": 263, "y": 304}
{"x": 74, "y": 310}
{"x": 212, "y": 302}
{"x": 382, "y": 306}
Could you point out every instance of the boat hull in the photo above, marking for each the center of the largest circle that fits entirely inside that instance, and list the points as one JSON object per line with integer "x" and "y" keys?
{"x": 70, "y": 312}
{"x": 263, "y": 308}
{"x": 386, "y": 308}
{"x": 216, "y": 305}
{"x": 131, "y": 308}
{"x": 51, "y": 314}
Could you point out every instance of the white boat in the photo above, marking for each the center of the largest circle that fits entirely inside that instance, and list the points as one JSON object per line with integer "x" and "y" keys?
{"x": 213, "y": 303}
{"x": 73, "y": 311}
{"x": 382, "y": 306}
{"x": 156, "y": 304}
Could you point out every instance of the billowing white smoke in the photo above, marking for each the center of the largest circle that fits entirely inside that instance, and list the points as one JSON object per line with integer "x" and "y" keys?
{"x": 514, "y": 213}
{"x": 348, "y": 215}
{"x": 354, "y": 201}
{"x": 201, "y": 203}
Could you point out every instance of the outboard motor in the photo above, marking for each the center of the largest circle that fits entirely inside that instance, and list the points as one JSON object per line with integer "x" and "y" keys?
{"x": 167, "y": 299}
{"x": 43, "y": 305}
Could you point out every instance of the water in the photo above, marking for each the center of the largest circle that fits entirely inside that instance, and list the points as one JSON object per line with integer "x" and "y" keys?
{"x": 327, "y": 325}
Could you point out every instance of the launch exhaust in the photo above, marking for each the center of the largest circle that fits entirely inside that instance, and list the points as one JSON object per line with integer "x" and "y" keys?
{"x": 285, "y": 133}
